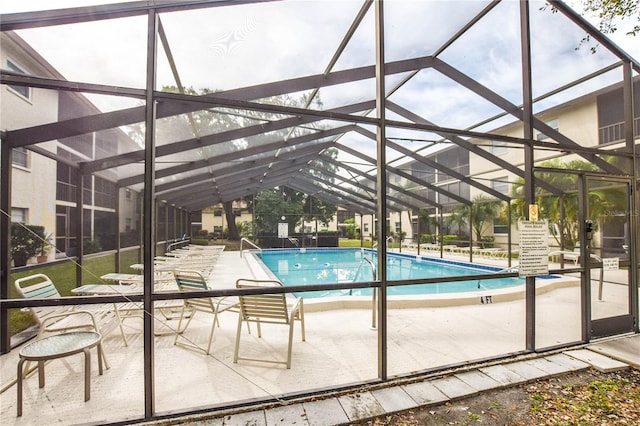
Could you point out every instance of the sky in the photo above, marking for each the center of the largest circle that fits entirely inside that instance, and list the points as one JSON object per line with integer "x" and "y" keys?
{"x": 239, "y": 46}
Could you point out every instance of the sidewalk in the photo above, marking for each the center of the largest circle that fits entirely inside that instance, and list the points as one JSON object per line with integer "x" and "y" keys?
{"x": 376, "y": 400}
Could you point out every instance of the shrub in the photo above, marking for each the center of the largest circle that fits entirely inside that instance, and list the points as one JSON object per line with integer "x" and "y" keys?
{"x": 487, "y": 241}
{"x": 26, "y": 242}
{"x": 91, "y": 246}
{"x": 427, "y": 239}
{"x": 449, "y": 239}
{"x": 200, "y": 241}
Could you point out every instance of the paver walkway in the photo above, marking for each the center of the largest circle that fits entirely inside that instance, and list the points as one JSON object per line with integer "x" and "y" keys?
{"x": 605, "y": 356}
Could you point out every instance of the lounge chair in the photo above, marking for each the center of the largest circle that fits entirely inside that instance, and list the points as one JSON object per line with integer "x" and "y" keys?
{"x": 568, "y": 255}
{"x": 60, "y": 319}
{"x": 194, "y": 281}
{"x": 268, "y": 309}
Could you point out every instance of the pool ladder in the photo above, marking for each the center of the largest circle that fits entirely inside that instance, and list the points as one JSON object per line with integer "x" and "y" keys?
{"x": 374, "y": 292}
{"x": 369, "y": 262}
{"x": 245, "y": 240}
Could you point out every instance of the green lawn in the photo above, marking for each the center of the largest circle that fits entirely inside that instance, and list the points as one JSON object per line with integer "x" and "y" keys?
{"x": 353, "y": 243}
{"x": 63, "y": 276}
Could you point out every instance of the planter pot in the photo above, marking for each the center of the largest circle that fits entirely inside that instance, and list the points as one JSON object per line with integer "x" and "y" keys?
{"x": 42, "y": 259}
{"x": 19, "y": 259}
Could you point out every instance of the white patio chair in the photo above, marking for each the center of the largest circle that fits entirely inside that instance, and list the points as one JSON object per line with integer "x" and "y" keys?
{"x": 268, "y": 309}
{"x": 194, "y": 281}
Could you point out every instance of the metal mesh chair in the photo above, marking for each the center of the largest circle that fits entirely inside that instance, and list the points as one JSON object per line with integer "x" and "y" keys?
{"x": 268, "y": 309}
{"x": 188, "y": 280}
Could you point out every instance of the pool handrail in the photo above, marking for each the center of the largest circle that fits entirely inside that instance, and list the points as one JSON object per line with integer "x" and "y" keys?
{"x": 514, "y": 268}
{"x": 374, "y": 292}
{"x": 248, "y": 242}
{"x": 370, "y": 263}
{"x": 294, "y": 241}
{"x": 183, "y": 241}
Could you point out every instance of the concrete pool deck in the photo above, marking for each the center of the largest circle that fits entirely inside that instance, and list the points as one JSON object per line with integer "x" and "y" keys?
{"x": 341, "y": 349}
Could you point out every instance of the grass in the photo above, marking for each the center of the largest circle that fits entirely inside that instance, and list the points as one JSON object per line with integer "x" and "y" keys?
{"x": 354, "y": 243}
{"x": 63, "y": 275}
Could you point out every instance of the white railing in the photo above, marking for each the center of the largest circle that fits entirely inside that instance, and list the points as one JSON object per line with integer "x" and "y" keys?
{"x": 244, "y": 240}
{"x": 374, "y": 291}
{"x": 181, "y": 242}
{"x": 366, "y": 260}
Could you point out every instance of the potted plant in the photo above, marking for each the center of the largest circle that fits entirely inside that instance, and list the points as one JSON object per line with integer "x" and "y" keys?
{"x": 45, "y": 243}
{"x": 26, "y": 241}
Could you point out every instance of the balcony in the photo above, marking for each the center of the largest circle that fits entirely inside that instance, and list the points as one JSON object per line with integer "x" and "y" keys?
{"x": 66, "y": 192}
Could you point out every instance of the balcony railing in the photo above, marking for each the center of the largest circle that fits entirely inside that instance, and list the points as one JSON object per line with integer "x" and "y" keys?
{"x": 615, "y": 132}
{"x": 65, "y": 192}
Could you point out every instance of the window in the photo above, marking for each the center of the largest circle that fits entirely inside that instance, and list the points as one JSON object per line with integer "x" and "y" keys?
{"x": 18, "y": 215}
{"x": 217, "y": 213}
{"x": 501, "y": 184}
{"x": 500, "y": 226}
{"x": 553, "y": 124}
{"x": 104, "y": 193}
{"x": 397, "y": 225}
{"x": 498, "y": 147}
{"x": 127, "y": 194}
{"x": 20, "y": 157}
{"x": 23, "y": 91}
{"x": 366, "y": 227}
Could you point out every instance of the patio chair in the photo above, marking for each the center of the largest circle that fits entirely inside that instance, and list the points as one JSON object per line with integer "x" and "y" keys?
{"x": 56, "y": 319}
{"x": 268, "y": 309}
{"x": 188, "y": 280}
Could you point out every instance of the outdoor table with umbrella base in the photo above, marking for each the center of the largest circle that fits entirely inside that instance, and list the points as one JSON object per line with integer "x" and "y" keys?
{"x": 59, "y": 346}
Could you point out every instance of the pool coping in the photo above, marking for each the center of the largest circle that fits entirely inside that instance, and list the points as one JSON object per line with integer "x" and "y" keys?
{"x": 543, "y": 285}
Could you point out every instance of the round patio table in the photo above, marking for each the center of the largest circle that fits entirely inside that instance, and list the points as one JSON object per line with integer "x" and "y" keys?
{"x": 59, "y": 346}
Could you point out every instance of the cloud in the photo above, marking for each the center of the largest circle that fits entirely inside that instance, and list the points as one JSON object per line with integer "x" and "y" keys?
{"x": 242, "y": 45}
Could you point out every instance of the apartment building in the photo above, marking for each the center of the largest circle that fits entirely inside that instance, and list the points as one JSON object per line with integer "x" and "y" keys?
{"x": 46, "y": 192}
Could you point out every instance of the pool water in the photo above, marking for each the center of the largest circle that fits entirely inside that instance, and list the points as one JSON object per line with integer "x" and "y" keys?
{"x": 324, "y": 266}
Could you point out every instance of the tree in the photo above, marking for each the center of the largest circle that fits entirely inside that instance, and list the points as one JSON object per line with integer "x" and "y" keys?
{"x": 458, "y": 217}
{"x": 232, "y": 228}
{"x": 273, "y": 204}
{"x": 351, "y": 229}
{"x": 428, "y": 218}
{"x": 562, "y": 211}
{"x": 314, "y": 208}
{"x": 244, "y": 229}
{"x": 212, "y": 120}
{"x": 611, "y": 12}
{"x": 483, "y": 211}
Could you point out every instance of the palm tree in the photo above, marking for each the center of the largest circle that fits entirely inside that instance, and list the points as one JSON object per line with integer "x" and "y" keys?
{"x": 483, "y": 211}
{"x": 563, "y": 210}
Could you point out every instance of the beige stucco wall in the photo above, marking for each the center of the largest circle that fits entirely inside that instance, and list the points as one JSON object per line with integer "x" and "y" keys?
{"x": 32, "y": 187}
{"x": 578, "y": 121}
{"x": 210, "y": 221}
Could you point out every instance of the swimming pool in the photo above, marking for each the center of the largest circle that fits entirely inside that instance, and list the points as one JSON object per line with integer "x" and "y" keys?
{"x": 323, "y": 266}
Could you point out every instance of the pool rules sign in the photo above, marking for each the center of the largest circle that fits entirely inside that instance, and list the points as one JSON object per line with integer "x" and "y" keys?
{"x": 534, "y": 248}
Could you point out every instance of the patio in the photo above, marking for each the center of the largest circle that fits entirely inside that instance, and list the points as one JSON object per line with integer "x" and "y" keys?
{"x": 340, "y": 350}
